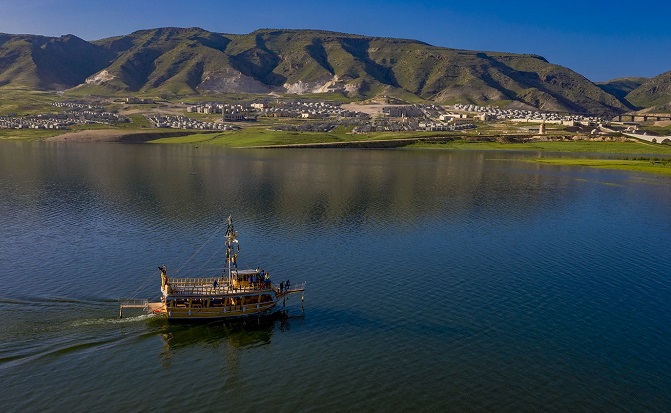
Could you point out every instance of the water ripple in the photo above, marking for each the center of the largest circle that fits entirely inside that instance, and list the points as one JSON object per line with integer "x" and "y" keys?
{"x": 436, "y": 281}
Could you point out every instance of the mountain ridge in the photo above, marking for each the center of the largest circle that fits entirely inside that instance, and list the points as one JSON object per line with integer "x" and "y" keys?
{"x": 193, "y": 61}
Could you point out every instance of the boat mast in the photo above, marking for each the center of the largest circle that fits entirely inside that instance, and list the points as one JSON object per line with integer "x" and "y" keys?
{"x": 230, "y": 240}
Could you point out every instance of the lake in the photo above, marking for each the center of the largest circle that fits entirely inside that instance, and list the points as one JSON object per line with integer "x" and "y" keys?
{"x": 437, "y": 280}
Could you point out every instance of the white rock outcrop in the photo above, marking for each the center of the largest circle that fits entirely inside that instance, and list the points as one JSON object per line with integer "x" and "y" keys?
{"x": 100, "y": 78}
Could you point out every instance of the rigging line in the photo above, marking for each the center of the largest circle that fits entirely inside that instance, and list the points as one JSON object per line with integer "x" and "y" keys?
{"x": 211, "y": 269}
{"x": 151, "y": 275}
{"x": 219, "y": 227}
{"x": 213, "y": 255}
{"x": 142, "y": 286}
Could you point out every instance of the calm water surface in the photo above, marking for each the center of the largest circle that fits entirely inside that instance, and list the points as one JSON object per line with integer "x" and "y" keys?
{"x": 437, "y": 281}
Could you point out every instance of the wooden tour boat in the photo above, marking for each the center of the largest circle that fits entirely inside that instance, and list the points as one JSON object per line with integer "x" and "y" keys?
{"x": 237, "y": 293}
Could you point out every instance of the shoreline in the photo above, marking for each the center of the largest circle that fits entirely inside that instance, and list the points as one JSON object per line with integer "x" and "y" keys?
{"x": 116, "y": 136}
{"x": 139, "y": 136}
{"x": 577, "y": 145}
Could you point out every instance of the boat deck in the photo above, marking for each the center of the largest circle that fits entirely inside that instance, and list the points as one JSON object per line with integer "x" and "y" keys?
{"x": 220, "y": 286}
{"x": 212, "y": 286}
{"x": 155, "y": 308}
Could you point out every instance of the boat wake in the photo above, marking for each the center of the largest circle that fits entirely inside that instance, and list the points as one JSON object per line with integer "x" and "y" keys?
{"x": 54, "y": 301}
{"x": 111, "y": 321}
{"x": 65, "y": 347}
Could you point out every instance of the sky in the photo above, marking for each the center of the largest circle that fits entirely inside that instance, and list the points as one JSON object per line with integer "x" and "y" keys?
{"x": 601, "y": 40}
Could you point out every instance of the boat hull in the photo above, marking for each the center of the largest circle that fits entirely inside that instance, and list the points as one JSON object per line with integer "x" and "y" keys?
{"x": 216, "y": 313}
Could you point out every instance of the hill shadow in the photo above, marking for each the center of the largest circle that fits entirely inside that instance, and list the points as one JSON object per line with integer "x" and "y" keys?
{"x": 259, "y": 63}
{"x": 138, "y": 67}
{"x": 213, "y": 41}
{"x": 533, "y": 80}
{"x": 359, "y": 49}
{"x": 318, "y": 53}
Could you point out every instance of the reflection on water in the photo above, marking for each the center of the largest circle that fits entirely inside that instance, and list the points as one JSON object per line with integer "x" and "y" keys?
{"x": 437, "y": 280}
{"x": 241, "y": 333}
{"x": 304, "y": 187}
{"x": 236, "y": 334}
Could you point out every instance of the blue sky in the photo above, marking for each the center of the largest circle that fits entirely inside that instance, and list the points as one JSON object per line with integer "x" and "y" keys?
{"x": 599, "y": 39}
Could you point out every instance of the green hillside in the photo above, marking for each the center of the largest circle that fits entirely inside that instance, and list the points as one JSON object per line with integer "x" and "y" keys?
{"x": 654, "y": 93}
{"x": 622, "y": 86}
{"x": 48, "y": 63}
{"x": 193, "y": 61}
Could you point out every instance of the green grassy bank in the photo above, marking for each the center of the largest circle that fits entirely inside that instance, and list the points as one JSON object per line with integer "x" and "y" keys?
{"x": 650, "y": 165}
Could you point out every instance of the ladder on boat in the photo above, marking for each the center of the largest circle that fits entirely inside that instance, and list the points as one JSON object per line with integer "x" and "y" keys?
{"x": 293, "y": 289}
{"x": 132, "y": 303}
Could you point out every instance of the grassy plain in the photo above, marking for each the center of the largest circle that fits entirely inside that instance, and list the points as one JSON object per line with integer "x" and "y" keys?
{"x": 653, "y": 158}
{"x": 27, "y": 102}
{"x": 28, "y": 134}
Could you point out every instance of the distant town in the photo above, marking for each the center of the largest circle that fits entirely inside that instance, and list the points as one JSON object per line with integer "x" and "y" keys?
{"x": 301, "y": 115}
{"x": 72, "y": 113}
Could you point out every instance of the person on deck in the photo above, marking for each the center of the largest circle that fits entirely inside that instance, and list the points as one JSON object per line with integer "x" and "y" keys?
{"x": 164, "y": 276}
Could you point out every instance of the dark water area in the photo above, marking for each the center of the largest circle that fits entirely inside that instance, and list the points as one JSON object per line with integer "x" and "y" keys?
{"x": 436, "y": 281}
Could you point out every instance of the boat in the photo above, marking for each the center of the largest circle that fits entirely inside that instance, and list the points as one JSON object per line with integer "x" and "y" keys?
{"x": 236, "y": 293}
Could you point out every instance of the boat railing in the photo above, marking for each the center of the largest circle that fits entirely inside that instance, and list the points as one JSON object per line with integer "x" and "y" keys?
{"x": 194, "y": 282}
{"x": 132, "y": 303}
{"x": 208, "y": 286}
